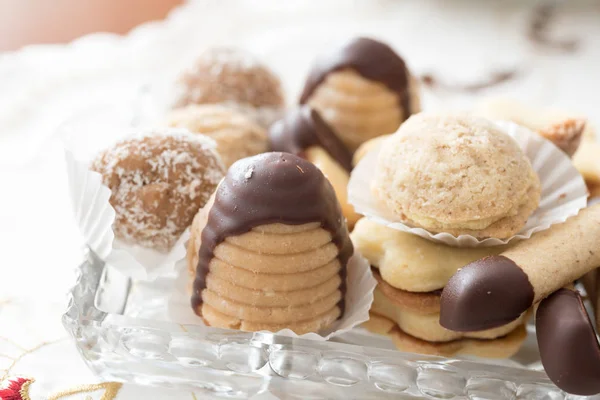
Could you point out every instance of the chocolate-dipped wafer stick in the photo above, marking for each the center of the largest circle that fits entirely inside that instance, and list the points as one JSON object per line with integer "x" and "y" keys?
{"x": 567, "y": 342}
{"x": 496, "y": 290}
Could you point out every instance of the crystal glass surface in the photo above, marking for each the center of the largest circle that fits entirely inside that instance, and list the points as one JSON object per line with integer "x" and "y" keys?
{"x": 121, "y": 330}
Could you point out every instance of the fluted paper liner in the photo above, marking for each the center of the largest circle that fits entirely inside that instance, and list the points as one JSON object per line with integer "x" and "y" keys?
{"x": 95, "y": 216}
{"x": 563, "y": 194}
{"x": 360, "y": 284}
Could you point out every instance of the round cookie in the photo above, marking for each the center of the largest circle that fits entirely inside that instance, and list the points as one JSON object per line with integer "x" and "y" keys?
{"x": 362, "y": 89}
{"x": 158, "y": 181}
{"x": 274, "y": 216}
{"x": 233, "y": 77}
{"x": 237, "y": 136}
{"x": 458, "y": 174}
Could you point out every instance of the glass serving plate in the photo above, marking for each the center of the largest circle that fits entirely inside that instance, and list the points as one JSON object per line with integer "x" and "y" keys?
{"x": 122, "y": 332}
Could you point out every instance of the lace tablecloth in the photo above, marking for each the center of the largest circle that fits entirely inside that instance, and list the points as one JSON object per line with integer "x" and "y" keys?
{"x": 45, "y": 91}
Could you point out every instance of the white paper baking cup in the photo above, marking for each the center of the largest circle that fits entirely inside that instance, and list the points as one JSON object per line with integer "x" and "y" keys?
{"x": 359, "y": 297}
{"x": 563, "y": 191}
{"x": 95, "y": 216}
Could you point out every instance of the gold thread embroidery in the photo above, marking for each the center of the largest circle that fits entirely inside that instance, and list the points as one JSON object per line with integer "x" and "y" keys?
{"x": 111, "y": 389}
{"x": 24, "y": 392}
{"x": 183, "y": 328}
{"x": 194, "y": 396}
{"x": 13, "y": 343}
{"x": 16, "y": 360}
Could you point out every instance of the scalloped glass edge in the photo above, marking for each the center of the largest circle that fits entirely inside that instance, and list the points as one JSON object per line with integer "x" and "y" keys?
{"x": 234, "y": 364}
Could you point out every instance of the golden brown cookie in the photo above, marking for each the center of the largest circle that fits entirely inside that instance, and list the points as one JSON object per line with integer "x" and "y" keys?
{"x": 502, "y": 347}
{"x": 237, "y": 136}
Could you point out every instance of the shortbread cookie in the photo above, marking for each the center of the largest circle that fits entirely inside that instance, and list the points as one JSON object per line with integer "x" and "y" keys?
{"x": 587, "y": 162}
{"x": 457, "y": 174}
{"x": 502, "y": 347}
{"x": 273, "y": 249}
{"x": 495, "y": 290}
{"x": 563, "y": 129}
{"x": 304, "y": 133}
{"x": 410, "y": 262}
{"x": 236, "y": 79}
{"x": 427, "y": 326}
{"x": 237, "y": 136}
{"x": 363, "y": 90}
{"x": 366, "y": 147}
{"x": 158, "y": 181}
{"x": 568, "y": 344}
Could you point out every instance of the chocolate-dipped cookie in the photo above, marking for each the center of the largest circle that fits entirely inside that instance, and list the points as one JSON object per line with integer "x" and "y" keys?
{"x": 304, "y": 133}
{"x": 496, "y": 290}
{"x": 274, "y": 249}
{"x": 567, "y": 342}
{"x": 363, "y": 89}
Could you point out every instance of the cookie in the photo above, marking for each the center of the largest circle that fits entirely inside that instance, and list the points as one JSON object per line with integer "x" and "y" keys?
{"x": 502, "y": 347}
{"x": 273, "y": 248}
{"x": 495, "y": 290}
{"x": 304, "y": 133}
{"x": 234, "y": 78}
{"x": 410, "y": 262}
{"x": 366, "y": 147}
{"x": 568, "y": 344}
{"x": 362, "y": 89}
{"x": 237, "y": 136}
{"x": 563, "y": 129}
{"x": 458, "y": 174}
{"x": 426, "y": 326}
{"x": 158, "y": 181}
{"x": 587, "y": 162}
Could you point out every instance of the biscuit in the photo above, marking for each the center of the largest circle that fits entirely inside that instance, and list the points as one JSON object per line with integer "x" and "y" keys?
{"x": 366, "y": 147}
{"x": 362, "y": 89}
{"x": 568, "y": 344}
{"x": 427, "y": 326}
{"x": 502, "y": 347}
{"x": 457, "y": 174}
{"x": 495, "y": 290}
{"x": 587, "y": 162}
{"x": 273, "y": 248}
{"x": 304, "y": 133}
{"x": 563, "y": 129}
{"x": 409, "y": 262}
{"x": 158, "y": 181}
{"x": 237, "y": 136}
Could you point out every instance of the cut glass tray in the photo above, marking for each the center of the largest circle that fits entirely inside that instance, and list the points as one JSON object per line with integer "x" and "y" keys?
{"x": 121, "y": 330}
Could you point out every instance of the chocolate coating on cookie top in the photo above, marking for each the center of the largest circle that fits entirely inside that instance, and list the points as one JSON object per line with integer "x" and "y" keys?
{"x": 302, "y": 128}
{"x": 266, "y": 189}
{"x": 372, "y": 59}
{"x": 485, "y": 294}
{"x": 568, "y": 345}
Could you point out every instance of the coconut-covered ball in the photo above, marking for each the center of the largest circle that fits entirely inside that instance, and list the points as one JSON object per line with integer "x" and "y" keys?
{"x": 158, "y": 180}
{"x": 235, "y": 78}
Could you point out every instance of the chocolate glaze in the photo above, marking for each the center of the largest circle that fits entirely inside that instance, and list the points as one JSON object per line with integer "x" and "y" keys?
{"x": 485, "y": 294}
{"x": 266, "y": 189}
{"x": 373, "y": 60}
{"x": 568, "y": 346}
{"x": 302, "y": 128}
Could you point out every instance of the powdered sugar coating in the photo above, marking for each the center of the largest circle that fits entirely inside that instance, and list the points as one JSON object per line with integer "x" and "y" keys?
{"x": 159, "y": 180}
{"x": 225, "y": 75}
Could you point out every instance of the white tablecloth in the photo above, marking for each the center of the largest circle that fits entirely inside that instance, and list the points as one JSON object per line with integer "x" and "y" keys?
{"x": 45, "y": 90}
